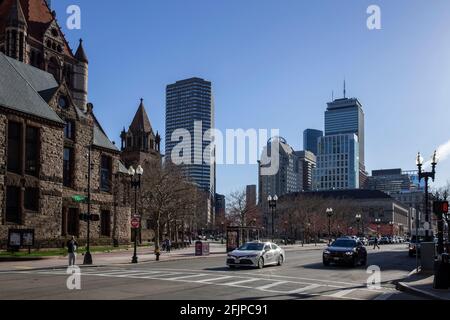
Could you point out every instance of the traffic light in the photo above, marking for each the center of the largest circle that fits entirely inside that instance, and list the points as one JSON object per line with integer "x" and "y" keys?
{"x": 440, "y": 207}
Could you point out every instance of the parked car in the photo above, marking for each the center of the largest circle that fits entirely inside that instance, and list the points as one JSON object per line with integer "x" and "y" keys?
{"x": 384, "y": 240}
{"x": 364, "y": 240}
{"x": 256, "y": 254}
{"x": 345, "y": 251}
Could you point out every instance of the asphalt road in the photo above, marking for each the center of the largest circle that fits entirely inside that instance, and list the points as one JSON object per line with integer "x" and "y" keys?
{"x": 302, "y": 277}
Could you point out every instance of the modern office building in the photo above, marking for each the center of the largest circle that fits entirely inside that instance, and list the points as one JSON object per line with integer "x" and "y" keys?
{"x": 285, "y": 180}
{"x": 220, "y": 205}
{"x": 190, "y": 108}
{"x": 189, "y": 117}
{"x": 250, "y": 196}
{"x": 337, "y": 163}
{"x": 345, "y": 116}
{"x": 311, "y": 139}
{"x": 394, "y": 181}
{"x": 340, "y": 154}
{"x": 305, "y": 164}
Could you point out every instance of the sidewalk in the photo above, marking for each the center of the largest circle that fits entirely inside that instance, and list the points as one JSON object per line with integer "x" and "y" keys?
{"x": 123, "y": 257}
{"x": 421, "y": 284}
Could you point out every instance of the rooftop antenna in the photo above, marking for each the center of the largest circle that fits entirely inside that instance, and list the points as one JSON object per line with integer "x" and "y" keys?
{"x": 345, "y": 89}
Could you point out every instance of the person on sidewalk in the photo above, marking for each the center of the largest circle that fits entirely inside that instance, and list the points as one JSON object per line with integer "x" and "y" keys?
{"x": 71, "y": 250}
{"x": 169, "y": 245}
{"x": 375, "y": 243}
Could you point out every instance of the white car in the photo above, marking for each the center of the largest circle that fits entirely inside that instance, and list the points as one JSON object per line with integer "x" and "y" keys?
{"x": 256, "y": 254}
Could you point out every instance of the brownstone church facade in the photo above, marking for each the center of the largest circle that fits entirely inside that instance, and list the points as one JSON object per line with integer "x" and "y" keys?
{"x": 49, "y": 133}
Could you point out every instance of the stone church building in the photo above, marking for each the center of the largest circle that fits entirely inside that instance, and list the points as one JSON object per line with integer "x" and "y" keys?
{"x": 49, "y": 133}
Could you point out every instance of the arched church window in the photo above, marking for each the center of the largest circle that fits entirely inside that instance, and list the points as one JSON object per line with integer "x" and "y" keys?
{"x": 53, "y": 68}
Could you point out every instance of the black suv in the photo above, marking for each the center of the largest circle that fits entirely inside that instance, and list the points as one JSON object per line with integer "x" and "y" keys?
{"x": 345, "y": 251}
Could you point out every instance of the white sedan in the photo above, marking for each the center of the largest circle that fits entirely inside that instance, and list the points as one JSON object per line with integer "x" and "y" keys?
{"x": 256, "y": 254}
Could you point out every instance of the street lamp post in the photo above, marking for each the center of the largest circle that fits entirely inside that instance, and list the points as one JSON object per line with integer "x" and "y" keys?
{"x": 426, "y": 176}
{"x": 273, "y": 206}
{"x": 378, "y": 222}
{"x": 329, "y": 212}
{"x": 391, "y": 223}
{"x": 358, "y": 221}
{"x": 135, "y": 180}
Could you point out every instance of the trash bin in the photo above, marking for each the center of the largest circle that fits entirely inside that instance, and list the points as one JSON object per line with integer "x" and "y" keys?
{"x": 201, "y": 248}
{"x": 442, "y": 272}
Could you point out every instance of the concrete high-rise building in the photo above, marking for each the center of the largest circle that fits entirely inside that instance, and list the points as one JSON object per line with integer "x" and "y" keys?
{"x": 285, "y": 180}
{"x": 311, "y": 139}
{"x": 305, "y": 164}
{"x": 250, "y": 196}
{"x": 190, "y": 109}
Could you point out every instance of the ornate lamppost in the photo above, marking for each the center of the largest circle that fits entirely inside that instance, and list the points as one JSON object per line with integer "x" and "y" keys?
{"x": 135, "y": 180}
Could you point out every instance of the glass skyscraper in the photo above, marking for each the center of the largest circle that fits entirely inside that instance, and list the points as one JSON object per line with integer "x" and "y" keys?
{"x": 337, "y": 163}
{"x": 190, "y": 108}
{"x": 310, "y": 140}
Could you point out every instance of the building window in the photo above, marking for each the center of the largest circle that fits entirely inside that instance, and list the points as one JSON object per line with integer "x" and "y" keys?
{"x": 69, "y": 130}
{"x": 14, "y": 147}
{"x": 105, "y": 174}
{"x": 73, "y": 222}
{"x": 13, "y": 212}
{"x": 32, "y": 151}
{"x": 32, "y": 199}
{"x": 68, "y": 167}
{"x": 105, "y": 224}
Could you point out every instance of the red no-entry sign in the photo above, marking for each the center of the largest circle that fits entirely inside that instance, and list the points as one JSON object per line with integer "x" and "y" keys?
{"x": 135, "y": 223}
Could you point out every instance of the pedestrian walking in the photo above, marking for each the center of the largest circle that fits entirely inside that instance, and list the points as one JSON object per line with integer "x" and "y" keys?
{"x": 72, "y": 246}
{"x": 375, "y": 243}
{"x": 169, "y": 245}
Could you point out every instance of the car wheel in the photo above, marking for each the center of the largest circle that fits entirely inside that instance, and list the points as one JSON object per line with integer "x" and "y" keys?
{"x": 354, "y": 262}
{"x": 326, "y": 263}
{"x": 364, "y": 262}
{"x": 280, "y": 260}
{"x": 231, "y": 267}
{"x": 411, "y": 255}
{"x": 261, "y": 263}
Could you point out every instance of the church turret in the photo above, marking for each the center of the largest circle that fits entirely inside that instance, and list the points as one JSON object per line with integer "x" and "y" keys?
{"x": 81, "y": 70}
{"x": 16, "y": 33}
{"x": 139, "y": 143}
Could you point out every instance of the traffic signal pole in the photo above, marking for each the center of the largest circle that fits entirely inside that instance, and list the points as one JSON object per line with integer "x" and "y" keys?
{"x": 88, "y": 256}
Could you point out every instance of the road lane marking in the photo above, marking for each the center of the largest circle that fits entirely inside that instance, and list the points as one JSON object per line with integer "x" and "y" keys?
{"x": 385, "y": 296}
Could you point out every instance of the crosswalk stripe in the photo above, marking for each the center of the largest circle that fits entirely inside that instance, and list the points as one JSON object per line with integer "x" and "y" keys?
{"x": 342, "y": 293}
{"x": 214, "y": 279}
{"x": 186, "y": 277}
{"x": 240, "y": 282}
{"x": 271, "y": 285}
{"x": 305, "y": 289}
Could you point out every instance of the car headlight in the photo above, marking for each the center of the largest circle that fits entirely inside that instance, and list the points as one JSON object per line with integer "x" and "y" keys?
{"x": 349, "y": 253}
{"x": 326, "y": 252}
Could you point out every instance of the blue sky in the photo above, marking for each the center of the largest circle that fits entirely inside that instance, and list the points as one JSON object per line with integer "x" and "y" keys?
{"x": 274, "y": 64}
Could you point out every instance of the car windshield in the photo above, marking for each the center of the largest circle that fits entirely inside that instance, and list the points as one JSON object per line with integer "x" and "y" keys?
{"x": 252, "y": 247}
{"x": 344, "y": 243}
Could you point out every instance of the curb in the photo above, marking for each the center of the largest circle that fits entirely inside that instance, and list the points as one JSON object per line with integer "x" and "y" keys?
{"x": 401, "y": 286}
{"x": 404, "y": 287}
{"x": 115, "y": 264}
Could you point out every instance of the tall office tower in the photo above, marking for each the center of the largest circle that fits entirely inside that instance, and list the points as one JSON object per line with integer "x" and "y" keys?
{"x": 345, "y": 116}
{"x": 305, "y": 164}
{"x": 310, "y": 140}
{"x": 190, "y": 109}
{"x": 250, "y": 196}
{"x": 337, "y": 163}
